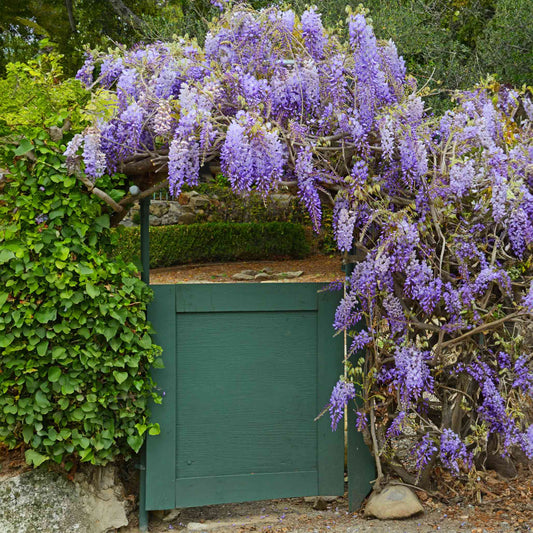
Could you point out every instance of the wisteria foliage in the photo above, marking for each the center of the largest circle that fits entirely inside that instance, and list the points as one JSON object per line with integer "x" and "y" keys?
{"x": 437, "y": 211}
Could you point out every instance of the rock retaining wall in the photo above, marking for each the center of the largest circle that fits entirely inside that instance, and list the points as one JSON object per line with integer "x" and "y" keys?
{"x": 191, "y": 207}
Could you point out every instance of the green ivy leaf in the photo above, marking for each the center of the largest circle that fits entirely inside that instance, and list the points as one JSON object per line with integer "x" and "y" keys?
{"x": 145, "y": 341}
{"x": 135, "y": 442}
{"x": 5, "y": 256}
{"x": 35, "y": 458}
{"x": 24, "y": 147}
{"x": 42, "y": 347}
{"x": 92, "y": 291}
{"x": 27, "y": 433}
{"x": 54, "y": 373}
{"x": 121, "y": 377}
{"x": 46, "y": 314}
{"x": 155, "y": 429}
{"x": 41, "y": 400}
{"x": 3, "y": 298}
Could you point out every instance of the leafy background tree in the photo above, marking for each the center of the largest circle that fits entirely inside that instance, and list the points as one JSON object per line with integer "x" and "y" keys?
{"x": 447, "y": 44}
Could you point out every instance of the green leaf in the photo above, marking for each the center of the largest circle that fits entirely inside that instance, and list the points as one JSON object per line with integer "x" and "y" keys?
{"x": 35, "y": 458}
{"x": 46, "y": 314}
{"x": 63, "y": 403}
{"x": 42, "y": 347}
{"x": 40, "y": 399}
{"x": 5, "y": 256}
{"x": 102, "y": 221}
{"x": 5, "y": 340}
{"x": 145, "y": 341}
{"x": 54, "y": 373}
{"x": 110, "y": 332}
{"x": 92, "y": 291}
{"x": 24, "y": 147}
{"x": 121, "y": 377}
{"x": 141, "y": 428}
{"x": 85, "y": 270}
{"x": 77, "y": 414}
{"x": 58, "y": 352}
{"x": 3, "y": 298}
{"x": 63, "y": 253}
{"x": 135, "y": 442}
{"x": 155, "y": 429}
{"x": 27, "y": 433}
{"x": 115, "y": 343}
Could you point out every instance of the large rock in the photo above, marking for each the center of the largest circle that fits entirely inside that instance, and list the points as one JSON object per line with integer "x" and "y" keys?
{"x": 40, "y": 501}
{"x": 159, "y": 208}
{"x": 394, "y": 501}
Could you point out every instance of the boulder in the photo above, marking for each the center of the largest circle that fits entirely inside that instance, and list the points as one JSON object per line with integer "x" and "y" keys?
{"x": 241, "y": 276}
{"x": 159, "y": 208}
{"x": 262, "y": 276}
{"x": 200, "y": 201}
{"x": 290, "y": 275}
{"x": 394, "y": 501}
{"x": 42, "y": 501}
{"x": 186, "y": 218}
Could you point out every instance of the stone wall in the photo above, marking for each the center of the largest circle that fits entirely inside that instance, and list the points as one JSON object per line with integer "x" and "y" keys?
{"x": 191, "y": 207}
{"x": 186, "y": 210}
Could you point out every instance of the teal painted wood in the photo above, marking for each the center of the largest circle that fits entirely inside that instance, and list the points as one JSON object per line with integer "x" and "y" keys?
{"x": 222, "y": 297}
{"x": 329, "y": 368}
{"x": 255, "y": 365}
{"x": 361, "y": 465}
{"x": 193, "y": 492}
{"x": 161, "y": 450}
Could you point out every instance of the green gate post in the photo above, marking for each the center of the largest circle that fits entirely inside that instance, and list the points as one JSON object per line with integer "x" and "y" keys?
{"x": 361, "y": 464}
{"x": 145, "y": 276}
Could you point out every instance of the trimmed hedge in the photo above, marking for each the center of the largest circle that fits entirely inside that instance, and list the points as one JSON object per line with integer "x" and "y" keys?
{"x": 215, "y": 241}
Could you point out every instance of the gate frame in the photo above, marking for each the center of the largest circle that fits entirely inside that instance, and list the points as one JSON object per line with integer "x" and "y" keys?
{"x": 361, "y": 468}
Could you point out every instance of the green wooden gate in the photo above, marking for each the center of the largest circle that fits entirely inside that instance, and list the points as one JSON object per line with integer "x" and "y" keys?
{"x": 247, "y": 369}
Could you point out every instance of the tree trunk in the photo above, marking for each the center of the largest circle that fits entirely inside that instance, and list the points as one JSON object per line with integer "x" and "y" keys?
{"x": 123, "y": 11}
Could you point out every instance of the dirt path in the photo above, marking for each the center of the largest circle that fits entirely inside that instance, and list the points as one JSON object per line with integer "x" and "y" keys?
{"x": 507, "y": 507}
{"x": 315, "y": 268}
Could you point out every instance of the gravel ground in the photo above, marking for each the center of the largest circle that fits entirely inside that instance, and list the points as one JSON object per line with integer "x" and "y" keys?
{"x": 298, "y": 516}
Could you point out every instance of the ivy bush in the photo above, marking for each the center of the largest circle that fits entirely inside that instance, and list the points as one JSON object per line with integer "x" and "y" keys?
{"x": 75, "y": 347}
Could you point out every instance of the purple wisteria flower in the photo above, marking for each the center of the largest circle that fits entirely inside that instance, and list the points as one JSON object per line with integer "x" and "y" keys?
{"x": 85, "y": 74}
{"x": 424, "y": 451}
{"x": 343, "y": 225}
{"x": 342, "y": 393}
{"x": 183, "y": 164}
{"x": 313, "y": 33}
{"x": 307, "y": 177}
{"x": 523, "y": 374}
{"x": 453, "y": 451}
{"x": 527, "y": 302}
{"x": 93, "y": 156}
{"x": 410, "y": 374}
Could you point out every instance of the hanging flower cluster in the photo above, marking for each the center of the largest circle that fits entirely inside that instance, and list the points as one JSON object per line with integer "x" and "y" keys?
{"x": 440, "y": 210}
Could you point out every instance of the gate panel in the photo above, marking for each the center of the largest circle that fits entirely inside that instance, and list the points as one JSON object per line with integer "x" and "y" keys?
{"x": 247, "y": 368}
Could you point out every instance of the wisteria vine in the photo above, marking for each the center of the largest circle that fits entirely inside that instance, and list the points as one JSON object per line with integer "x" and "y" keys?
{"x": 437, "y": 211}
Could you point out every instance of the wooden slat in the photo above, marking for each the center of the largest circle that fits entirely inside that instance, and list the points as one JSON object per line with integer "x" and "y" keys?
{"x": 230, "y": 297}
{"x": 192, "y": 492}
{"x": 161, "y": 449}
{"x": 361, "y": 465}
{"x": 330, "y": 445}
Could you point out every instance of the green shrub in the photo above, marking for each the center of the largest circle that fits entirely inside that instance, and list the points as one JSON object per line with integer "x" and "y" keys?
{"x": 215, "y": 241}
{"x": 75, "y": 348}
